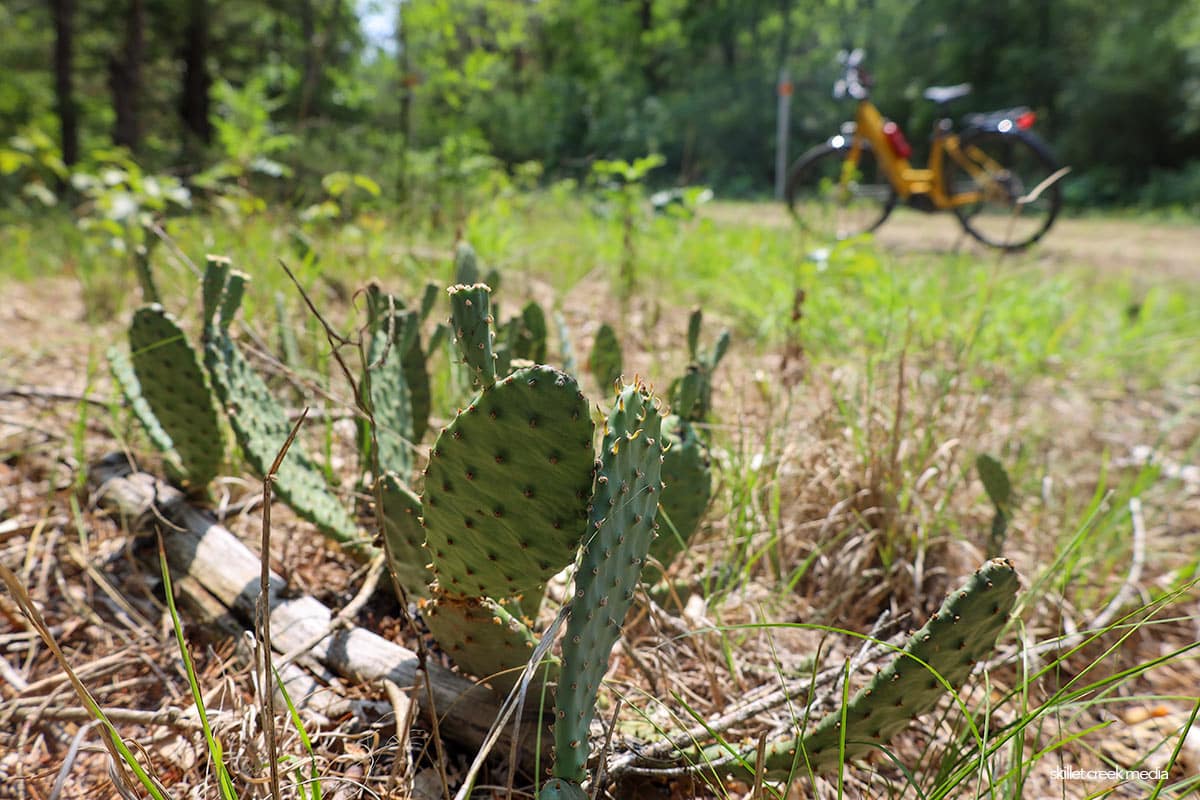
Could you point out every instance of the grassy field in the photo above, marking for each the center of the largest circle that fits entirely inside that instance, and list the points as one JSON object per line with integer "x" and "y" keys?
{"x": 863, "y": 381}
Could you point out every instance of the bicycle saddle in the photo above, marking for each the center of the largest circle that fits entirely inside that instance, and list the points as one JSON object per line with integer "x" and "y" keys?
{"x": 944, "y": 94}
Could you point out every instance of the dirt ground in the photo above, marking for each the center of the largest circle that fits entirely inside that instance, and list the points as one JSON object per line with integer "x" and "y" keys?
{"x": 45, "y": 380}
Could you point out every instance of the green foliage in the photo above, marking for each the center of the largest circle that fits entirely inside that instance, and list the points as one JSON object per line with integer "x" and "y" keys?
{"x": 33, "y": 162}
{"x": 248, "y": 144}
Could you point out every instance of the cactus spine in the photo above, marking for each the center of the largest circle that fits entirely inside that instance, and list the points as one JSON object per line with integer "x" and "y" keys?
{"x": 621, "y": 523}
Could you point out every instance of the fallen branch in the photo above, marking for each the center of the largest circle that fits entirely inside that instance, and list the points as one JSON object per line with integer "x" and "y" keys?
{"x": 207, "y": 552}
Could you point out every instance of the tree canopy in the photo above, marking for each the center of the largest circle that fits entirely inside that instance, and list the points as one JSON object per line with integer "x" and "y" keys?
{"x": 566, "y": 82}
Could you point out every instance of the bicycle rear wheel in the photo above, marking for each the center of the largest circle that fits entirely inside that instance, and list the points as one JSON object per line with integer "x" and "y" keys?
{"x": 832, "y": 198}
{"x": 1003, "y": 169}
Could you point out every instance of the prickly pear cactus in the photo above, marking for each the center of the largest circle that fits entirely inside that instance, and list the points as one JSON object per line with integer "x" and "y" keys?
{"x": 481, "y": 636}
{"x": 621, "y": 524}
{"x": 507, "y": 485}
{"x": 173, "y": 386}
{"x": 472, "y": 323}
{"x": 531, "y": 333}
{"x": 429, "y": 299}
{"x": 999, "y": 491}
{"x": 466, "y": 264}
{"x": 285, "y": 332}
{"x": 691, "y": 394}
{"x": 605, "y": 362}
{"x": 564, "y": 344}
{"x": 127, "y": 382}
{"x": 258, "y": 421}
{"x": 688, "y": 489}
{"x": 961, "y": 633}
{"x": 391, "y": 398}
{"x": 401, "y": 521}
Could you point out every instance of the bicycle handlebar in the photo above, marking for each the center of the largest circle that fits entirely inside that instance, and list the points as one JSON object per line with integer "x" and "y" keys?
{"x": 854, "y": 81}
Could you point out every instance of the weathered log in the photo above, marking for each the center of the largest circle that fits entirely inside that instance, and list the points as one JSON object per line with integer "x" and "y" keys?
{"x": 198, "y": 547}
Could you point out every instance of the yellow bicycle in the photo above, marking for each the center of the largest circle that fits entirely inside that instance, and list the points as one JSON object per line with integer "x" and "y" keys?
{"x": 996, "y": 175}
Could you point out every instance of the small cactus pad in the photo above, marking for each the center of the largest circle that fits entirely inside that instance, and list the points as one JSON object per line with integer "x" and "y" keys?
{"x": 564, "y": 344}
{"x": 558, "y": 789}
{"x": 530, "y": 339}
{"x": 391, "y": 400}
{"x": 472, "y": 325}
{"x": 126, "y": 380}
{"x": 995, "y": 481}
{"x": 262, "y": 427}
{"x": 466, "y": 264}
{"x": 507, "y": 485}
{"x": 688, "y": 488}
{"x": 429, "y": 298}
{"x": 289, "y": 347}
{"x": 621, "y": 524}
{"x": 172, "y": 383}
{"x": 695, "y": 319}
{"x": 400, "y": 519}
{"x": 605, "y": 362}
{"x": 481, "y": 637}
{"x": 962, "y": 632}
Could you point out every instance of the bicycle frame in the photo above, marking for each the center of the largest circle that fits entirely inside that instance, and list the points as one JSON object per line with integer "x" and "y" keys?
{"x": 908, "y": 180}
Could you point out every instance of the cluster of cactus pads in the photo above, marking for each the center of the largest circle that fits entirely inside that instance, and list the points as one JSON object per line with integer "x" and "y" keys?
{"x": 937, "y": 659}
{"x": 514, "y": 492}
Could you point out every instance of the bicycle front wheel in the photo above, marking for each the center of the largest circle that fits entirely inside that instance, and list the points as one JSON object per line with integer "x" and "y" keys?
{"x": 1003, "y": 172}
{"x": 835, "y": 198}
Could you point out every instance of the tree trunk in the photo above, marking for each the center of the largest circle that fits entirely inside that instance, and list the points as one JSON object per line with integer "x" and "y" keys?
{"x": 64, "y": 90}
{"x": 193, "y": 107}
{"x": 125, "y": 79}
{"x": 312, "y": 57}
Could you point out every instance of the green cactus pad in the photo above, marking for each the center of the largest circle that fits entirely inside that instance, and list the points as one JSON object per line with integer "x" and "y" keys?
{"x": 472, "y": 323}
{"x": 391, "y": 399}
{"x": 558, "y": 789}
{"x": 719, "y": 349}
{"x": 564, "y": 344}
{"x": 530, "y": 339}
{"x": 688, "y": 488}
{"x": 440, "y": 335}
{"x": 686, "y": 392}
{"x": 466, "y": 264}
{"x": 173, "y": 386}
{"x": 695, "y": 319}
{"x": 127, "y": 382}
{"x": 961, "y": 633}
{"x": 621, "y": 526}
{"x": 481, "y": 637}
{"x": 429, "y": 298}
{"x": 289, "y": 347}
{"x": 401, "y": 523}
{"x": 507, "y": 485}
{"x": 216, "y": 277}
{"x": 999, "y": 490}
{"x": 262, "y": 427}
{"x": 605, "y": 363}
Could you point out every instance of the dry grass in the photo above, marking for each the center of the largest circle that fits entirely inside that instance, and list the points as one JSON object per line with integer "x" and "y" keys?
{"x": 843, "y": 494}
